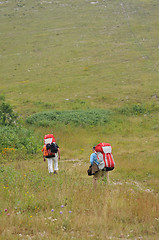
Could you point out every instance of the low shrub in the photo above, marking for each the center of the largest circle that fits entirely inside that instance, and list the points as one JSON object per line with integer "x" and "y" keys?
{"x": 139, "y": 109}
{"x": 76, "y": 117}
{"x": 12, "y": 135}
{"x": 7, "y": 115}
{"x": 17, "y": 138}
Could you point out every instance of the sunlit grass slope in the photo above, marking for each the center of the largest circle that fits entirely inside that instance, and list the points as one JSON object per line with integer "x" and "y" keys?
{"x": 68, "y": 54}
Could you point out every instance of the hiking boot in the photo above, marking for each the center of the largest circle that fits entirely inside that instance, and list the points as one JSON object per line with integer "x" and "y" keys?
{"x": 55, "y": 172}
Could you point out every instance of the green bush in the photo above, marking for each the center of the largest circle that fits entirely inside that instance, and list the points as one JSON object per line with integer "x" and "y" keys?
{"x": 139, "y": 109}
{"x": 7, "y": 115}
{"x": 11, "y": 134}
{"x": 76, "y": 117}
{"x": 18, "y": 138}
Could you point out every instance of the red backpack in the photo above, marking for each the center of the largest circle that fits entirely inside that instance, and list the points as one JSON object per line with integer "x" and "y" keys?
{"x": 104, "y": 154}
{"x": 49, "y": 140}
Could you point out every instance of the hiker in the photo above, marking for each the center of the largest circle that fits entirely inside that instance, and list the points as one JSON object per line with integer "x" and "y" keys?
{"x": 98, "y": 168}
{"x": 51, "y": 152}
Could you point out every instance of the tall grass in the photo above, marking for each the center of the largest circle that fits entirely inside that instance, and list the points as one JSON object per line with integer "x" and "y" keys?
{"x": 65, "y": 206}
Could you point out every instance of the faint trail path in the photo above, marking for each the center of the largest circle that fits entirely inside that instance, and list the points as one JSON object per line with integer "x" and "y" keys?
{"x": 136, "y": 184}
{"x": 69, "y": 160}
{"x": 130, "y": 183}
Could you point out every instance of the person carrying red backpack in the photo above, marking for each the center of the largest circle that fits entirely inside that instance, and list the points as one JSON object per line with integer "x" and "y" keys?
{"x": 102, "y": 162}
{"x": 51, "y": 152}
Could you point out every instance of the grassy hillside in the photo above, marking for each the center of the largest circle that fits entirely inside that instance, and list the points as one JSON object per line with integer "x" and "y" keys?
{"x": 95, "y": 55}
{"x": 86, "y": 71}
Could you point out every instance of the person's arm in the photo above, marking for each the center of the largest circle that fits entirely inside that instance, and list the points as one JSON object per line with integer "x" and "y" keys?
{"x": 59, "y": 154}
{"x": 91, "y": 159}
{"x": 44, "y": 156}
{"x": 43, "y": 150}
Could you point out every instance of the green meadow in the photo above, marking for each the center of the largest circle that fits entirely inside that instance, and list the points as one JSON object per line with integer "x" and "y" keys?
{"x": 88, "y": 72}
